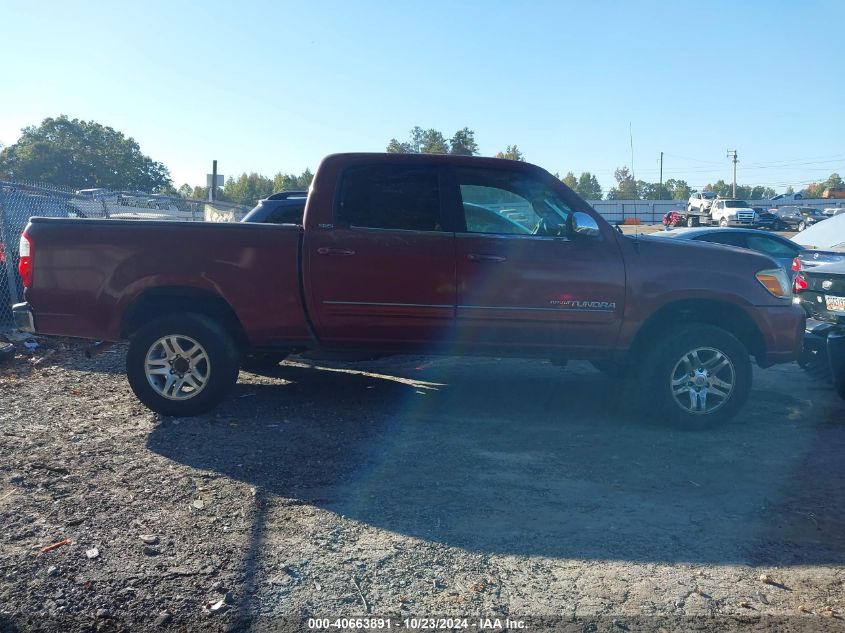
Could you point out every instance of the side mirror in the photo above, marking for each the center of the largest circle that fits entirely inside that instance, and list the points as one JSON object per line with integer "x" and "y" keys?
{"x": 583, "y": 225}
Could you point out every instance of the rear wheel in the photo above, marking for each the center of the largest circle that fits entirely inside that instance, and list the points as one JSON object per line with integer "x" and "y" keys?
{"x": 182, "y": 364}
{"x": 697, "y": 378}
{"x": 692, "y": 221}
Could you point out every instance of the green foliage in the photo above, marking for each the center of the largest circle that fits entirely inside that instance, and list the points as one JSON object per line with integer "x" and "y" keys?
{"x": 186, "y": 191}
{"x": 247, "y": 189}
{"x": 81, "y": 155}
{"x": 626, "y": 186}
{"x": 432, "y": 141}
{"x": 588, "y": 186}
{"x": 743, "y": 192}
{"x": 676, "y": 189}
{"x": 512, "y": 152}
{"x": 463, "y": 143}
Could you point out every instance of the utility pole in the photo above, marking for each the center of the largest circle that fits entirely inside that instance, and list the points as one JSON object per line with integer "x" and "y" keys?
{"x": 212, "y": 190}
{"x": 660, "y": 190}
{"x": 732, "y": 154}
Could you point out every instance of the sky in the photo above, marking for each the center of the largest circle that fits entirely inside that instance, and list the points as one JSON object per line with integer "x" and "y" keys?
{"x": 275, "y": 86}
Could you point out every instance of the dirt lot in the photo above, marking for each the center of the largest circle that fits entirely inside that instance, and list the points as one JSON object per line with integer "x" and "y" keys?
{"x": 413, "y": 487}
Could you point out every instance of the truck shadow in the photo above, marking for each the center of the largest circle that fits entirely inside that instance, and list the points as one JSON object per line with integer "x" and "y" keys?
{"x": 520, "y": 457}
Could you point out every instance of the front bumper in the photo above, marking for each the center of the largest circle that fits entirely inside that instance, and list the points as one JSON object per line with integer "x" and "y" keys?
{"x": 24, "y": 317}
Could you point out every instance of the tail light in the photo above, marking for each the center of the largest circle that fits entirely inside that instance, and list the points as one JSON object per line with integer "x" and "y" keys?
{"x": 26, "y": 254}
{"x": 799, "y": 285}
{"x": 796, "y": 264}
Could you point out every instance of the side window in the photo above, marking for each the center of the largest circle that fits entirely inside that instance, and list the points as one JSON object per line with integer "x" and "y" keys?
{"x": 390, "y": 197}
{"x": 510, "y": 203}
{"x": 724, "y": 237}
{"x": 767, "y": 245}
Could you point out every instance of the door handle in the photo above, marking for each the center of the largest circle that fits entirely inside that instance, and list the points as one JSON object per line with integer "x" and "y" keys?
{"x": 325, "y": 250}
{"x": 478, "y": 257}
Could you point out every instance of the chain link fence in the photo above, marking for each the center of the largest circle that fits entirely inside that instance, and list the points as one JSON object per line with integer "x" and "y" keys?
{"x": 21, "y": 201}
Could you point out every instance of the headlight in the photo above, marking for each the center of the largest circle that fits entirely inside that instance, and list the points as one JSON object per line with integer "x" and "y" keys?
{"x": 776, "y": 282}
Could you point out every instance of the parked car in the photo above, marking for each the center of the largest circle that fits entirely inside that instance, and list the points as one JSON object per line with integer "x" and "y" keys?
{"x": 823, "y": 243}
{"x": 799, "y": 218}
{"x": 787, "y": 197}
{"x": 781, "y": 249}
{"x": 286, "y": 207}
{"x": 765, "y": 219}
{"x": 391, "y": 258}
{"x": 821, "y": 292}
{"x": 698, "y": 208}
{"x": 732, "y": 213}
{"x": 834, "y": 192}
{"x": 831, "y": 211}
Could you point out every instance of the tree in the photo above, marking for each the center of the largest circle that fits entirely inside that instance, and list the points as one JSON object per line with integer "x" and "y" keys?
{"x": 463, "y": 143}
{"x": 512, "y": 152}
{"x": 816, "y": 189}
{"x": 677, "y": 189}
{"x": 247, "y": 189}
{"x": 186, "y": 191}
{"x": 432, "y": 142}
{"x": 761, "y": 193}
{"x": 81, "y": 155}
{"x": 395, "y": 147}
{"x": 570, "y": 181}
{"x": 588, "y": 186}
{"x": 720, "y": 188}
{"x": 626, "y": 186}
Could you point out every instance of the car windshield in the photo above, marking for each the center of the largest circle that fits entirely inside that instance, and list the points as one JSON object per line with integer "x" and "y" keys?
{"x": 736, "y": 204}
{"x": 708, "y": 195}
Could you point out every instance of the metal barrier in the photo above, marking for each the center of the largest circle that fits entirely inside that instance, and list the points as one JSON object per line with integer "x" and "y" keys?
{"x": 21, "y": 201}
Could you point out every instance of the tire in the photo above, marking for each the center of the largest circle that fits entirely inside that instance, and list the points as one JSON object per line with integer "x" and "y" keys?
{"x": 691, "y": 221}
{"x": 683, "y": 405}
{"x": 199, "y": 347}
{"x": 801, "y": 226}
{"x": 723, "y": 222}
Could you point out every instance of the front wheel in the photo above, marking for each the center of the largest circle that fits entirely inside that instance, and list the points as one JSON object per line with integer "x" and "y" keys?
{"x": 697, "y": 378}
{"x": 801, "y": 226}
{"x": 181, "y": 365}
{"x": 723, "y": 222}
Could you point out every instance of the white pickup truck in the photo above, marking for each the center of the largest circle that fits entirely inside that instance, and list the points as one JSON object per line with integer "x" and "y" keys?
{"x": 732, "y": 213}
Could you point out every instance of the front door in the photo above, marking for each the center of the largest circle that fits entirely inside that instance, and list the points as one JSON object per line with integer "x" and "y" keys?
{"x": 525, "y": 283}
{"x": 384, "y": 274}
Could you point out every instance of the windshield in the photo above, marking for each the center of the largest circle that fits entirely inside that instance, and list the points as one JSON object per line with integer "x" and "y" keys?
{"x": 707, "y": 195}
{"x": 736, "y": 204}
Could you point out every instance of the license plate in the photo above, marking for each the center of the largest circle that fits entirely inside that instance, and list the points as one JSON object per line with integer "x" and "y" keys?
{"x": 835, "y": 304}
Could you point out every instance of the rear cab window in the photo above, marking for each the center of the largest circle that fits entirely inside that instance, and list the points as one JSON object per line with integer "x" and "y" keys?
{"x": 392, "y": 197}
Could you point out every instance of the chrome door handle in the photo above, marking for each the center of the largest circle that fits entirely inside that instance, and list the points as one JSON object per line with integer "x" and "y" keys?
{"x": 478, "y": 257}
{"x": 325, "y": 250}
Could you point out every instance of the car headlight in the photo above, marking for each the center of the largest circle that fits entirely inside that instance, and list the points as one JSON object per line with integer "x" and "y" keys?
{"x": 776, "y": 282}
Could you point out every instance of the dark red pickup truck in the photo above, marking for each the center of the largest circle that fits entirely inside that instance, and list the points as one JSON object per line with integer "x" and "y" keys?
{"x": 414, "y": 253}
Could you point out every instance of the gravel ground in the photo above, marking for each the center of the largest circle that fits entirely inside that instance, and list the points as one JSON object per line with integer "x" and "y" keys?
{"x": 413, "y": 487}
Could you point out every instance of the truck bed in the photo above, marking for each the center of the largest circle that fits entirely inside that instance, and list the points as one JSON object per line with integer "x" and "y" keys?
{"x": 89, "y": 272}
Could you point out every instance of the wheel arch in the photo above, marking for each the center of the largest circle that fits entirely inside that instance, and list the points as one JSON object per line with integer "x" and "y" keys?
{"x": 721, "y": 314}
{"x": 162, "y": 301}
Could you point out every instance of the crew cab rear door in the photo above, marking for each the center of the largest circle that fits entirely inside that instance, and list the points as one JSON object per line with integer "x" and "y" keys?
{"x": 523, "y": 284}
{"x": 383, "y": 273}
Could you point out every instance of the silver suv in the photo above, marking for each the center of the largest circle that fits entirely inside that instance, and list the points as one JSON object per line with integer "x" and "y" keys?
{"x": 700, "y": 203}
